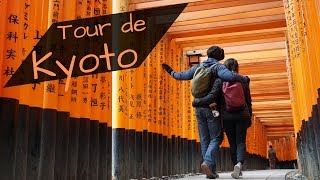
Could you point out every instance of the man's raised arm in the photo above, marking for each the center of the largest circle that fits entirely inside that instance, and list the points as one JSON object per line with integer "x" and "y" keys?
{"x": 226, "y": 75}
{"x": 185, "y": 75}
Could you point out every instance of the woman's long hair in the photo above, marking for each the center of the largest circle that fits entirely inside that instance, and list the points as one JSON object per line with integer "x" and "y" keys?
{"x": 232, "y": 65}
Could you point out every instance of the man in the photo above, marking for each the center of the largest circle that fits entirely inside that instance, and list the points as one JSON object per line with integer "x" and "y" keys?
{"x": 209, "y": 127}
{"x": 272, "y": 157}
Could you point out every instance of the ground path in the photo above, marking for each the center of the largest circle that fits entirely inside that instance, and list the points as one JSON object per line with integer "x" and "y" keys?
{"x": 277, "y": 174}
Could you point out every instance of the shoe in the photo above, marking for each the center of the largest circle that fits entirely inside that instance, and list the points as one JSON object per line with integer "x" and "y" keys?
{"x": 210, "y": 177}
{"x": 206, "y": 169}
{"x": 215, "y": 176}
{"x": 237, "y": 171}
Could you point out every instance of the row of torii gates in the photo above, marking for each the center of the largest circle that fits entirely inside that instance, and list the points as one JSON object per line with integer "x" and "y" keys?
{"x": 148, "y": 129}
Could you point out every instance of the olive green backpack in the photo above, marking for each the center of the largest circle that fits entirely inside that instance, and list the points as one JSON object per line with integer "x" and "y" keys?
{"x": 201, "y": 81}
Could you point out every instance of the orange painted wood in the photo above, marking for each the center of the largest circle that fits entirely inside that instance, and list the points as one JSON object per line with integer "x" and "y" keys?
{"x": 225, "y": 42}
{"x": 153, "y": 4}
{"x": 266, "y": 25}
{"x": 233, "y": 34}
{"x": 228, "y": 23}
{"x": 236, "y": 16}
{"x": 214, "y": 5}
{"x": 227, "y": 10}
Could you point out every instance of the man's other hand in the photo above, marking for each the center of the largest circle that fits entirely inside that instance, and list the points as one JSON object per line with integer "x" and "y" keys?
{"x": 246, "y": 79}
{"x": 167, "y": 68}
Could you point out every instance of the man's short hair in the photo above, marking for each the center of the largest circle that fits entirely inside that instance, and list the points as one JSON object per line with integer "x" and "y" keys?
{"x": 270, "y": 146}
{"x": 215, "y": 52}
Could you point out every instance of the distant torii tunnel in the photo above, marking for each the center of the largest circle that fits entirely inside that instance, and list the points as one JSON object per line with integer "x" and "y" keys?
{"x": 140, "y": 123}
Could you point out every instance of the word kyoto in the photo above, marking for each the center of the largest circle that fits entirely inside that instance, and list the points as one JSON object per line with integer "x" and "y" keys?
{"x": 81, "y": 32}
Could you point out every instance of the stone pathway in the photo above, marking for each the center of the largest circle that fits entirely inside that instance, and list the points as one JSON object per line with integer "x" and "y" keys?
{"x": 276, "y": 174}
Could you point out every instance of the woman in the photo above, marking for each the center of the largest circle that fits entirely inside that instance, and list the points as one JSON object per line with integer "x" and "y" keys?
{"x": 235, "y": 122}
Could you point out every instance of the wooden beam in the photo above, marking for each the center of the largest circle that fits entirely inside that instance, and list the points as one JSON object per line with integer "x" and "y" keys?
{"x": 274, "y": 111}
{"x": 140, "y": 1}
{"x": 233, "y": 34}
{"x": 260, "y": 60}
{"x": 271, "y": 107}
{"x": 269, "y": 99}
{"x": 252, "y": 55}
{"x": 268, "y": 89}
{"x": 260, "y": 99}
{"x": 247, "y": 27}
{"x": 275, "y": 115}
{"x": 138, "y": 5}
{"x": 280, "y": 135}
{"x": 266, "y": 82}
{"x": 233, "y": 41}
{"x": 275, "y": 104}
{"x": 237, "y": 22}
{"x": 270, "y": 76}
{"x": 207, "y": 2}
{"x": 245, "y": 62}
{"x": 263, "y": 93}
{"x": 276, "y": 120}
{"x": 250, "y": 48}
{"x": 255, "y": 89}
{"x": 279, "y": 129}
{"x": 287, "y": 132}
{"x": 275, "y": 63}
{"x": 270, "y": 124}
{"x": 284, "y": 133}
{"x": 264, "y": 57}
{"x": 268, "y": 96}
{"x": 243, "y": 15}
{"x": 278, "y": 124}
{"x": 249, "y": 72}
{"x": 228, "y": 10}
{"x": 260, "y": 88}
{"x": 205, "y": 6}
{"x": 259, "y": 114}
{"x": 264, "y": 67}
{"x": 262, "y": 71}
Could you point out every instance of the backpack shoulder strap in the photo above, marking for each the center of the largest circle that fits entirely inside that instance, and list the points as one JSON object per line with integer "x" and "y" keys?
{"x": 213, "y": 68}
{"x": 201, "y": 65}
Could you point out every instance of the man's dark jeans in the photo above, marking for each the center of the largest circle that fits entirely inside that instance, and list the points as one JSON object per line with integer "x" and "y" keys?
{"x": 236, "y": 131}
{"x": 210, "y": 135}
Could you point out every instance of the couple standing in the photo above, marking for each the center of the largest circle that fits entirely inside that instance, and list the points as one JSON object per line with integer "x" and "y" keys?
{"x": 234, "y": 123}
